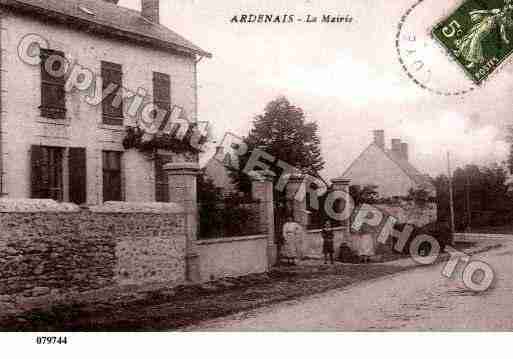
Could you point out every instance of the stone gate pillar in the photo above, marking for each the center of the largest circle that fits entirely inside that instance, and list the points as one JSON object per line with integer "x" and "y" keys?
{"x": 342, "y": 185}
{"x": 296, "y": 199}
{"x": 183, "y": 190}
{"x": 262, "y": 188}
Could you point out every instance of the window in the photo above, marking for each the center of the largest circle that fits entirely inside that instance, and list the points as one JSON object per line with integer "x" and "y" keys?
{"x": 47, "y": 173}
{"x": 53, "y": 96}
{"x": 161, "y": 179}
{"x": 162, "y": 92}
{"x": 112, "y": 104}
{"x": 46, "y": 163}
{"x": 112, "y": 176}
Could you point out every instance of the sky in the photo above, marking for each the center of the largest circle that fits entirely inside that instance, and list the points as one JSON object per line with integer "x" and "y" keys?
{"x": 346, "y": 77}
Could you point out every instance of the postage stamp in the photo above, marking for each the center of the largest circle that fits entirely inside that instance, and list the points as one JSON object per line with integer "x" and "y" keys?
{"x": 479, "y": 36}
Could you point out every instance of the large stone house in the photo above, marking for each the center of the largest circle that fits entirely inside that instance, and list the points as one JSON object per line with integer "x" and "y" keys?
{"x": 63, "y": 143}
{"x": 389, "y": 169}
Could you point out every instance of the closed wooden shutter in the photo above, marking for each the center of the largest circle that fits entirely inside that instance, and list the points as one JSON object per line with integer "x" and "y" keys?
{"x": 77, "y": 175}
{"x": 112, "y": 74}
{"x": 162, "y": 93}
{"x": 161, "y": 179}
{"x": 53, "y": 96}
{"x": 38, "y": 167}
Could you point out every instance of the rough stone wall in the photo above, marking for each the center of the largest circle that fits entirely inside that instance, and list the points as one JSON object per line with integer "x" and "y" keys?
{"x": 75, "y": 251}
{"x": 409, "y": 212}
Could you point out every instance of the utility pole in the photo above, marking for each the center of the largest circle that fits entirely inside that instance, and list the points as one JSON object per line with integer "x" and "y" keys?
{"x": 469, "y": 206}
{"x": 451, "y": 197}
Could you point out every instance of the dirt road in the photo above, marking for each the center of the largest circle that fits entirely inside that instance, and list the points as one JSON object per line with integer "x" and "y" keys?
{"x": 421, "y": 299}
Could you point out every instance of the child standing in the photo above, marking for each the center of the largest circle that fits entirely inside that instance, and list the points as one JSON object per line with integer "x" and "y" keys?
{"x": 328, "y": 248}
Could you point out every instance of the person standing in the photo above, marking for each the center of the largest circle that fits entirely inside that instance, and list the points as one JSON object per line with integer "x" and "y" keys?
{"x": 292, "y": 232}
{"x": 328, "y": 246}
{"x": 366, "y": 246}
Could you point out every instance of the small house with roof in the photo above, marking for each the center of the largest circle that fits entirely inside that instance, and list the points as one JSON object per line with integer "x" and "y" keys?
{"x": 389, "y": 169}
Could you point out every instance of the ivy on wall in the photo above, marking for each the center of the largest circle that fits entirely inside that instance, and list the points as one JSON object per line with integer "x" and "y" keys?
{"x": 191, "y": 142}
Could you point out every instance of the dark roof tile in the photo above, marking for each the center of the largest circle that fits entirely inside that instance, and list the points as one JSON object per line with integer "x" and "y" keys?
{"x": 126, "y": 22}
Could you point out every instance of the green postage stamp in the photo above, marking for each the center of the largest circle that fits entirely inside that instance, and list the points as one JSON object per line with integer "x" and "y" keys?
{"x": 479, "y": 34}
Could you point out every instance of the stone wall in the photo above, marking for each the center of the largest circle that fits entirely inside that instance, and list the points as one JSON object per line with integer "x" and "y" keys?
{"x": 409, "y": 212}
{"x": 48, "y": 249}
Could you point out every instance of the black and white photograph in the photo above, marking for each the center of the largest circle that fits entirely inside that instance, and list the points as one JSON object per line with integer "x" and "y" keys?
{"x": 170, "y": 168}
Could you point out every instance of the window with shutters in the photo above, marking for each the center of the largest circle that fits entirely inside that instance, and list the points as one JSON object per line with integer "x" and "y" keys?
{"x": 162, "y": 92}
{"x": 47, "y": 174}
{"x": 161, "y": 179}
{"x": 112, "y": 190}
{"x": 112, "y": 74}
{"x": 53, "y": 96}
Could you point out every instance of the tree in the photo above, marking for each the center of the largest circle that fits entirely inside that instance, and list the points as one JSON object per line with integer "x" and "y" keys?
{"x": 283, "y": 132}
{"x": 481, "y": 190}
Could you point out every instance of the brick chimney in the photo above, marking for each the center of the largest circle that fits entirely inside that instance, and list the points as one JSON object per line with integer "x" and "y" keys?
{"x": 150, "y": 10}
{"x": 396, "y": 147}
{"x": 404, "y": 151}
{"x": 379, "y": 138}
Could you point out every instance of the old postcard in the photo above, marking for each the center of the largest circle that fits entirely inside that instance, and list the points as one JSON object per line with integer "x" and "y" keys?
{"x": 255, "y": 165}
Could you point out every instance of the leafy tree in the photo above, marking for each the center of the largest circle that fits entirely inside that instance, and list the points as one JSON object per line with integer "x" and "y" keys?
{"x": 207, "y": 191}
{"x": 490, "y": 196}
{"x": 283, "y": 132}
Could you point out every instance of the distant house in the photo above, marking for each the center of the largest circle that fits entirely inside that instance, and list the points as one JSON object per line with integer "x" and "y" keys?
{"x": 217, "y": 170}
{"x": 389, "y": 169}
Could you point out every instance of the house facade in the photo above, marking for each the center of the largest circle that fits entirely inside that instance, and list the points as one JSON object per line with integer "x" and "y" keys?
{"x": 66, "y": 143}
{"x": 389, "y": 169}
{"x": 218, "y": 171}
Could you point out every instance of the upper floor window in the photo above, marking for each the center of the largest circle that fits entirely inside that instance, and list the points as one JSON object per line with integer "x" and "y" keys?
{"x": 112, "y": 75}
{"x": 53, "y": 96}
{"x": 162, "y": 92}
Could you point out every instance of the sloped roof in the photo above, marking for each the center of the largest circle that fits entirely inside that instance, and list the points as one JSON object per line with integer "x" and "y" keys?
{"x": 418, "y": 178}
{"x": 108, "y": 19}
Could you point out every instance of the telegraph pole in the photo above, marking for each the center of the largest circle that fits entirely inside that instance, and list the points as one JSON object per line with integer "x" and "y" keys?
{"x": 451, "y": 197}
{"x": 469, "y": 206}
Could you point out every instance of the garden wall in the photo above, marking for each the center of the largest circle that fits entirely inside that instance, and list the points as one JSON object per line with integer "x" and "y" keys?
{"x": 50, "y": 250}
{"x": 312, "y": 242}
{"x": 232, "y": 257}
{"x": 409, "y": 212}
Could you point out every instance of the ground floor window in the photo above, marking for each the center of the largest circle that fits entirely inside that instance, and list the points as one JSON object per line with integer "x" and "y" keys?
{"x": 112, "y": 180}
{"x": 47, "y": 172}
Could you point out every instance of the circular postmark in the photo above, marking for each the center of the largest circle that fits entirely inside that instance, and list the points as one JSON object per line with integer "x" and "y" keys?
{"x": 423, "y": 60}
